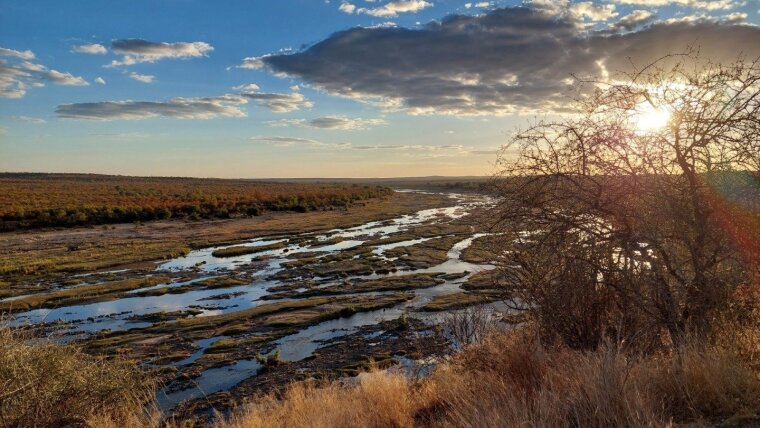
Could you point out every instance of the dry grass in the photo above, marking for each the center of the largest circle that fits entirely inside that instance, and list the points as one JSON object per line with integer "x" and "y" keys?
{"x": 377, "y": 400}
{"x": 511, "y": 380}
{"x": 46, "y": 385}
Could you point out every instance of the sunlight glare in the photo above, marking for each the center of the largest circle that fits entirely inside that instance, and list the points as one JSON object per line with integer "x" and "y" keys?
{"x": 649, "y": 118}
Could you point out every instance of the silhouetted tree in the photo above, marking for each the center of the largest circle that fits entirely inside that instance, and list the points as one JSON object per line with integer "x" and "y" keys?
{"x": 622, "y": 220}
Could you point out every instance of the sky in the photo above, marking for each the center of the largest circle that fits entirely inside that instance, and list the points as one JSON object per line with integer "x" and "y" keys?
{"x": 316, "y": 88}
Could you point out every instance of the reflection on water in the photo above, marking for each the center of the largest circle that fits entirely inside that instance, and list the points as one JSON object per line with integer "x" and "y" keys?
{"x": 115, "y": 315}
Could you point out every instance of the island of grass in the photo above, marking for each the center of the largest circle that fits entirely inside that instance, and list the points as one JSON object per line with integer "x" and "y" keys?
{"x": 241, "y": 250}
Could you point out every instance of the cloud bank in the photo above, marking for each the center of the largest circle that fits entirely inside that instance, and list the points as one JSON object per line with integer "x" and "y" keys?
{"x": 508, "y": 60}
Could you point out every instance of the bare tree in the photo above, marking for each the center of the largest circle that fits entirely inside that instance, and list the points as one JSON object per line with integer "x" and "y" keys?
{"x": 469, "y": 325}
{"x": 624, "y": 220}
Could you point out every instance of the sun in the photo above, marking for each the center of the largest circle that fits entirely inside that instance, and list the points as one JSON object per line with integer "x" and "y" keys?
{"x": 647, "y": 118}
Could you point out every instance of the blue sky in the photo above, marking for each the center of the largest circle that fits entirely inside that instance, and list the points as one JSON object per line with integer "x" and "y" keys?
{"x": 313, "y": 88}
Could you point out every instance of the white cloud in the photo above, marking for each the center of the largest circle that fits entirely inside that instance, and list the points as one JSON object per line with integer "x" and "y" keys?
{"x": 347, "y": 8}
{"x": 592, "y": 11}
{"x": 634, "y": 19}
{"x": 144, "y": 78}
{"x": 253, "y": 62}
{"x": 249, "y": 87}
{"x": 703, "y": 18}
{"x": 28, "y": 119}
{"x": 390, "y": 9}
{"x": 92, "y": 49}
{"x": 696, "y": 4}
{"x": 135, "y": 51}
{"x": 295, "y": 141}
{"x": 331, "y": 122}
{"x": 227, "y": 105}
{"x": 279, "y": 103}
{"x": 18, "y": 74}
{"x": 735, "y": 17}
{"x": 27, "y": 54}
{"x": 416, "y": 150}
{"x": 100, "y": 81}
{"x": 178, "y": 108}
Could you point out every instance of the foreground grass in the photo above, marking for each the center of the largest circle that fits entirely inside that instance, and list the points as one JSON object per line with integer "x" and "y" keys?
{"x": 46, "y": 385}
{"x": 510, "y": 380}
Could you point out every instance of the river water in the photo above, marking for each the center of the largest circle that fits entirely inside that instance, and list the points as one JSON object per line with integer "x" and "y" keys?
{"x": 115, "y": 315}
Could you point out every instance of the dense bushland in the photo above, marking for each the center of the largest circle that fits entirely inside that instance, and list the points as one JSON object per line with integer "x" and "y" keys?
{"x": 40, "y": 200}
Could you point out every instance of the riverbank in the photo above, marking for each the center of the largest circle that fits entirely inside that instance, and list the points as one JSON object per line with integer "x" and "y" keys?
{"x": 34, "y": 255}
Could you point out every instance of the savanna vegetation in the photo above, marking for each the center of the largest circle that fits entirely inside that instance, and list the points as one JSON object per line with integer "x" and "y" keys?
{"x": 41, "y": 200}
{"x": 628, "y": 251}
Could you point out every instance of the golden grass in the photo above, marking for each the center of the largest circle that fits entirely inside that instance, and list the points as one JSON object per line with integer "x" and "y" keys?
{"x": 379, "y": 400}
{"x": 46, "y": 385}
{"x": 511, "y": 380}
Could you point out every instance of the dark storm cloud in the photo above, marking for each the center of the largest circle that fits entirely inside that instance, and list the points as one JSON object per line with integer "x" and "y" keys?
{"x": 513, "y": 59}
